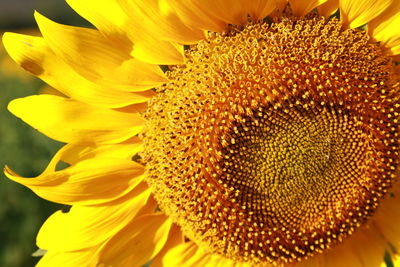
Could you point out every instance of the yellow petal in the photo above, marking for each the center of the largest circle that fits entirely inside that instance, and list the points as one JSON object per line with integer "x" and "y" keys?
{"x": 149, "y": 48}
{"x": 85, "y": 258}
{"x": 96, "y": 57}
{"x": 328, "y": 8}
{"x": 87, "y": 227}
{"x": 225, "y": 10}
{"x": 33, "y": 54}
{"x": 186, "y": 254}
{"x": 396, "y": 261}
{"x": 280, "y": 5}
{"x": 71, "y": 121}
{"x": 385, "y": 28}
{"x": 364, "y": 248}
{"x": 137, "y": 243}
{"x": 108, "y": 16}
{"x": 85, "y": 183}
{"x": 355, "y": 13}
{"x": 218, "y": 261}
{"x": 259, "y": 9}
{"x": 370, "y": 246}
{"x": 159, "y": 18}
{"x": 189, "y": 254}
{"x": 119, "y": 27}
{"x": 195, "y": 17}
{"x": 48, "y": 90}
{"x": 342, "y": 256}
{"x": 175, "y": 238}
{"x": 388, "y": 219}
{"x": 82, "y": 151}
{"x": 302, "y": 7}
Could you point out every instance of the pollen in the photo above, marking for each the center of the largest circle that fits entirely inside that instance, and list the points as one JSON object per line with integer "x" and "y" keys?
{"x": 275, "y": 141}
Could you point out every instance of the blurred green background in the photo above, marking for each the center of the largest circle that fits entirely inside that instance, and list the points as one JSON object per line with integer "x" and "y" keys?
{"x": 22, "y": 148}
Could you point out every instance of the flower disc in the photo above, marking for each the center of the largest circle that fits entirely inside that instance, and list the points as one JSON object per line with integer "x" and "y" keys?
{"x": 274, "y": 141}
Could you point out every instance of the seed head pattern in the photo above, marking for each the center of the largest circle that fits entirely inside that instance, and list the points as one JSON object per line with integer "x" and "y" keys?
{"x": 276, "y": 140}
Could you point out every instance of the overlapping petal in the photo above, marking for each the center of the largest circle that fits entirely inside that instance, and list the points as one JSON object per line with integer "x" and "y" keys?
{"x": 370, "y": 245}
{"x": 34, "y": 55}
{"x": 181, "y": 254}
{"x": 328, "y": 8}
{"x": 194, "y": 16}
{"x": 355, "y": 13}
{"x": 82, "y": 151}
{"x": 89, "y": 227}
{"x": 225, "y": 10}
{"x": 138, "y": 242}
{"x": 175, "y": 238}
{"x": 385, "y": 28}
{"x": 85, "y": 183}
{"x": 186, "y": 254}
{"x": 259, "y": 9}
{"x": 190, "y": 254}
{"x": 158, "y": 17}
{"x": 121, "y": 27}
{"x": 71, "y": 121}
{"x": 388, "y": 225}
{"x": 302, "y": 7}
{"x": 69, "y": 259}
{"x": 98, "y": 58}
{"x": 396, "y": 261}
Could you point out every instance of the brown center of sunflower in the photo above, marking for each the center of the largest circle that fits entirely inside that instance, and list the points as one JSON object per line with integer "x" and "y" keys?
{"x": 275, "y": 141}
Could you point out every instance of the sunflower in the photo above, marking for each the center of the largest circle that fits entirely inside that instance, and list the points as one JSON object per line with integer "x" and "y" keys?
{"x": 8, "y": 67}
{"x": 218, "y": 133}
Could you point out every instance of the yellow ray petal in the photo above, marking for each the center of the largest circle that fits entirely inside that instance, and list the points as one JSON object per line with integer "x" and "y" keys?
{"x": 233, "y": 12}
{"x": 395, "y": 260}
{"x": 108, "y": 16}
{"x": 159, "y": 18}
{"x": 71, "y": 121}
{"x": 189, "y": 254}
{"x": 34, "y": 55}
{"x": 219, "y": 261}
{"x": 328, "y": 8}
{"x": 302, "y": 7}
{"x": 85, "y": 183}
{"x": 96, "y": 57}
{"x": 369, "y": 245}
{"x": 387, "y": 219}
{"x": 87, "y": 45}
{"x": 149, "y": 48}
{"x": 366, "y": 247}
{"x": 48, "y": 90}
{"x": 317, "y": 261}
{"x": 110, "y": 19}
{"x": 195, "y": 17}
{"x": 137, "y": 243}
{"x": 175, "y": 238}
{"x": 259, "y": 9}
{"x": 87, "y": 227}
{"x": 355, "y": 13}
{"x": 87, "y": 258}
{"x": 82, "y": 151}
{"x": 385, "y": 28}
{"x": 342, "y": 255}
{"x": 280, "y": 5}
{"x": 186, "y": 254}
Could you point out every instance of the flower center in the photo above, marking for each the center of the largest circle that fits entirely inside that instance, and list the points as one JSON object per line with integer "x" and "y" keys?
{"x": 275, "y": 141}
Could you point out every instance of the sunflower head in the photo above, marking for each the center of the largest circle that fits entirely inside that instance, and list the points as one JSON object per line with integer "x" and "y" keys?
{"x": 271, "y": 138}
{"x": 275, "y": 140}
